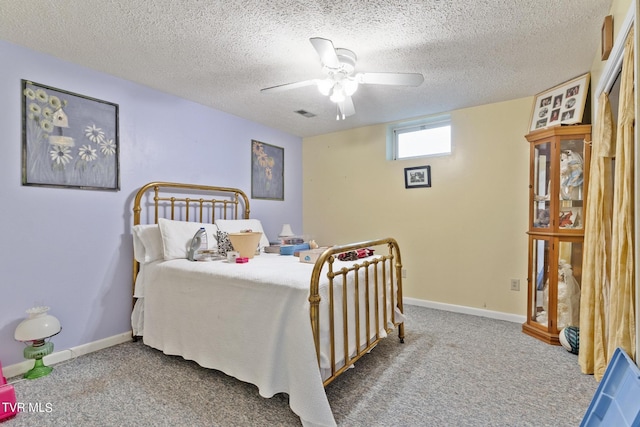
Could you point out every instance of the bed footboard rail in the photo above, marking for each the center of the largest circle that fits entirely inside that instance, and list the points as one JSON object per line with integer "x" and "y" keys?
{"x": 368, "y": 305}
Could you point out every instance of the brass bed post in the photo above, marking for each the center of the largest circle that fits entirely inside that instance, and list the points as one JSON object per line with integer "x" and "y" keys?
{"x": 395, "y": 250}
{"x": 314, "y": 296}
{"x": 356, "y": 294}
{"x": 137, "y": 208}
{"x": 377, "y": 301}
{"x": 385, "y": 314}
{"x": 156, "y": 199}
{"x": 367, "y": 310}
{"x": 345, "y": 314}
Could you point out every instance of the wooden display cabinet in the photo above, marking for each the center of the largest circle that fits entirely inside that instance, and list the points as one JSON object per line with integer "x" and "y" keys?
{"x": 558, "y": 183}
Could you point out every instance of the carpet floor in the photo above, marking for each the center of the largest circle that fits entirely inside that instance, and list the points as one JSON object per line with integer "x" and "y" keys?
{"x": 453, "y": 370}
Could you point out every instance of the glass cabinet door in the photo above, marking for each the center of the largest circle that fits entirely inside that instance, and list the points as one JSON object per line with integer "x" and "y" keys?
{"x": 569, "y": 282}
{"x": 541, "y": 185}
{"x": 571, "y": 181}
{"x": 557, "y": 273}
{"x": 539, "y": 298}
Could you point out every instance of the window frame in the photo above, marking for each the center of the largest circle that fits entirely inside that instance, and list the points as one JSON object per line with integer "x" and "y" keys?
{"x": 396, "y": 129}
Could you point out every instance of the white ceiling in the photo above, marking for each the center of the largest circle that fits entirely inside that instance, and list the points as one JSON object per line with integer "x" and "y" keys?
{"x": 221, "y": 53}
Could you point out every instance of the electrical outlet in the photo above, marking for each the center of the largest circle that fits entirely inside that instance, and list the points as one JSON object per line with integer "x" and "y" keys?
{"x": 515, "y": 284}
{"x": 404, "y": 273}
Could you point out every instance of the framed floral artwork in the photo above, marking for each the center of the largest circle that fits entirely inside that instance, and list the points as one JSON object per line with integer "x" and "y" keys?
{"x": 68, "y": 140}
{"x": 267, "y": 171}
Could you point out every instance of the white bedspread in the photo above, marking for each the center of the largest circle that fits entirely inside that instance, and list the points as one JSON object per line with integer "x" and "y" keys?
{"x": 250, "y": 321}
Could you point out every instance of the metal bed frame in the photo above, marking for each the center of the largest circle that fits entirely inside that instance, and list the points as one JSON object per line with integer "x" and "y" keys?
{"x": 204, "y": 203}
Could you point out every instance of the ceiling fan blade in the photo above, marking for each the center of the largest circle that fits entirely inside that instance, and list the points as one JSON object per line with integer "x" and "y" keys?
{"x": 396, "y": 79}
{"x": 346, "y": 107}
{"x": 288, "y": 86}
{"x": 326, "y": 51}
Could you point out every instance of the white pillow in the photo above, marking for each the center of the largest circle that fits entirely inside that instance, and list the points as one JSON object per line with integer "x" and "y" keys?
{"x": 237, "y": 225}
{"x": 177, "y": 235}
{"x": 147, "y": 243}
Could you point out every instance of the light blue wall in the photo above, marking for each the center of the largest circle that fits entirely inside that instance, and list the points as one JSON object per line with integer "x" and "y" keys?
{"x": 71, "y": 249}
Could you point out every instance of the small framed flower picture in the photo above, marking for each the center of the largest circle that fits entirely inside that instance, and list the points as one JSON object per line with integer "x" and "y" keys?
{"x": 267, "y": 171}
{"x": 68, "y": 140}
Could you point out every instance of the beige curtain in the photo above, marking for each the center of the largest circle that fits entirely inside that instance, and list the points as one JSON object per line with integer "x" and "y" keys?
{"x": 607, "y": 318}
{"x": 594, "y": 298}
{"x": 621, "y": 331}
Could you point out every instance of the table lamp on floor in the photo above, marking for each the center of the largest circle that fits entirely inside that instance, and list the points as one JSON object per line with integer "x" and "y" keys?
{"x": 35, "y": 329}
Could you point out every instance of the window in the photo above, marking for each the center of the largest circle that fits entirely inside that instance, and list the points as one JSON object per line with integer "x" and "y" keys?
{"x": 427, "y": 137}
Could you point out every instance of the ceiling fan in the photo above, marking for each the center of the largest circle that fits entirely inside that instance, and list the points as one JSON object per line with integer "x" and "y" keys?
{"x": 340, "y": 83}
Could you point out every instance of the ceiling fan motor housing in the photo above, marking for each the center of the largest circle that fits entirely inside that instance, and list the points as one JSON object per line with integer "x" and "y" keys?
{"x": 347, "y": 59}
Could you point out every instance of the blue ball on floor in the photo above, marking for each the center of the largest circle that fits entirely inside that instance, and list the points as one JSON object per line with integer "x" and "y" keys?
{"x": 570, "y": 339}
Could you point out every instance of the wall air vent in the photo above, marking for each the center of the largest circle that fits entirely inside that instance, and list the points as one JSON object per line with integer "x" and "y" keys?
{"x": 305, "y": 113}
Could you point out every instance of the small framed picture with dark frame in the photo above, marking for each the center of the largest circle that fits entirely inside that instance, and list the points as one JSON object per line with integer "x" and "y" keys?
{"x": 417, "y": 177}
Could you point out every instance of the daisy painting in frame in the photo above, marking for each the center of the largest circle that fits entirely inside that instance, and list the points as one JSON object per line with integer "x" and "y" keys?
{"x": 68, "y": 140}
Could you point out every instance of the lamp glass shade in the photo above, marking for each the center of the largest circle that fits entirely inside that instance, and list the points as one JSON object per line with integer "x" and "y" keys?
{"x": 338, "y": 94}
{"x": 38, "y": 326}
{"x": 324, "y": 86}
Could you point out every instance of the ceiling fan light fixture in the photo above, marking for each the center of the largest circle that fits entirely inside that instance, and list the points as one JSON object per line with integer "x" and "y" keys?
{"x": 325, "y": 86}
{"x": 337, "y": 95}
{"x": 350, "y": 86}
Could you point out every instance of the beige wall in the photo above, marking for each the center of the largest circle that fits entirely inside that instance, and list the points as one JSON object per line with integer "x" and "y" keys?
{"x": 463, "y": 239}
{"x": 619, "y": 9}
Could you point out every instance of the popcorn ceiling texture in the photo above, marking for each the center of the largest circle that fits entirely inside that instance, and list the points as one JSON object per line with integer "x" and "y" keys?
{"x": 221, "y": 53}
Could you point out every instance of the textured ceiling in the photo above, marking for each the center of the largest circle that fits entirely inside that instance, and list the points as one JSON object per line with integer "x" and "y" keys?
{"x": 221, "y": 53}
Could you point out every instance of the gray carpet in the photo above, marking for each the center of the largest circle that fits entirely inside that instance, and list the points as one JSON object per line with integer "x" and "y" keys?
{"x": 452, "y": 370}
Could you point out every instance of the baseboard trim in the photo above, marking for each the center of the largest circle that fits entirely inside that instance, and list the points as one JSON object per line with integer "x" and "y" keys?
{"x": 466, "y": 310}
{"x": 68, "y": 354}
